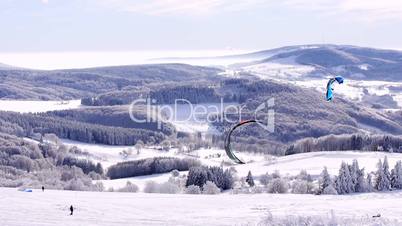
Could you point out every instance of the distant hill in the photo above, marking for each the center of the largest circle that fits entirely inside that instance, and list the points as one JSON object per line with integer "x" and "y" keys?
{"x": 7, "y": 67}
{"x": 352, "y": 62}
{"x": 79, "y": 83}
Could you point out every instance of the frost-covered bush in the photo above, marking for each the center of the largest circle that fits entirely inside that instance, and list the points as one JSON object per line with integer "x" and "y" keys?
{"x": 210, "y": 188}
{"x": 75, "y": 185}
{"x": 193, "y": 189}
{"x": 264, "y": 179}
{"x": 303, "y": 175}
{"x": 277, "y": 185}
{"x": 166, "y": 188}
{"x": 95, "y": 176}
{"x": 257, "y": 190}
{"x": 130, "y": 187}
{"x": 175, "y": 173}
{"x": 98, "y": 186}
{"x": 27, "y": 164}
{"x": 151, "y": 187}
{"x": 329, "y": 190}
{"x": 302, "y": 187}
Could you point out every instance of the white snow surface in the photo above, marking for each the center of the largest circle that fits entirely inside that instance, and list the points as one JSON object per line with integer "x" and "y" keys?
{"x": 258, "y": 164}
{"x": 26, "y": 106}
{"x": 285, "y": 68}
{"x": 111, "y": 208}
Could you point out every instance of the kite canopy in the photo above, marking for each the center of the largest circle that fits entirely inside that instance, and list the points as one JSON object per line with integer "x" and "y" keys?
{"x": 330, "y": 89}
{"x": 339, "y": 79}
{"x": 228, "y": 149}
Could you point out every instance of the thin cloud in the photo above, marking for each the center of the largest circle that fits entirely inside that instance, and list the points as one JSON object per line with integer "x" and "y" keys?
{"x": 189, "y": 7}
{"x": 360, "y": 9}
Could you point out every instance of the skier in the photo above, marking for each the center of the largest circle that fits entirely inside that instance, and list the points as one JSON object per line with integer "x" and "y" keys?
{"x": 43, "y": 188}
{"x": 71, "y": 210}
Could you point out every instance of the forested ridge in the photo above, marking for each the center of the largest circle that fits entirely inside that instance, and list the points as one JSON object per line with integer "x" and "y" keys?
{"x": 27, "y": 124}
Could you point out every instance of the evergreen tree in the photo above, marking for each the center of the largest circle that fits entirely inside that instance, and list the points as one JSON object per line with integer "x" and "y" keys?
{"x": 396, "y": 176}
{"x": 324, "y": 181}
{"x": 344, "y": 183}
{"x": 250, "y": 179}
{"x": 354, "y": 174}
{"x": 361, "y": 183}
{"x": 369, "y": 183}
{"x": 382, "y": 182}
{"x": 387, "y": 173}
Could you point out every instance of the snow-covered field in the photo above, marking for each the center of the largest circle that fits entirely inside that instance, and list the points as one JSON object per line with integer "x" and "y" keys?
{"x": 258, "y": 164}
{"x": 104, "y": 208}
{"x": 291, "y": 165}
{"x": 25, "y": 106}
{"x": 279, "y": 69}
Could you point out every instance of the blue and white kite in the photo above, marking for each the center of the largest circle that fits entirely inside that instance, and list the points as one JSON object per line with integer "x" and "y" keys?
{"x": 330, "y": 88}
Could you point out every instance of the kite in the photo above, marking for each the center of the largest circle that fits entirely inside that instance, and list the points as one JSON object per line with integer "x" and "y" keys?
{"x": 228, "y": 149}
{"x": 330, "y": 89}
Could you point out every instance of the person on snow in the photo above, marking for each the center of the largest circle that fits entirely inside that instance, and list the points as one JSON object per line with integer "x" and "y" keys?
{"x": 71, "y": 210}
{"x": 43, "y": 188}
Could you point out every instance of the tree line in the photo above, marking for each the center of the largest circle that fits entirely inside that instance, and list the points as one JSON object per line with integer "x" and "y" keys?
{"x": 361, "y": 142}
{"x": 150, "y": 166}
{"x": 79, "y": 131}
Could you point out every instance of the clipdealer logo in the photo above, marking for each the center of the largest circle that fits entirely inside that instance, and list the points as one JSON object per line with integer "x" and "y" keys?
{"x": 202, "y": 113}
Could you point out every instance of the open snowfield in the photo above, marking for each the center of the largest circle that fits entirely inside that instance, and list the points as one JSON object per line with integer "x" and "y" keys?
{"x": 111, "y": 208}
{"x": 258, "y": 164}
{"x": 26, "y": 106}
{"x": 291, "y": 165}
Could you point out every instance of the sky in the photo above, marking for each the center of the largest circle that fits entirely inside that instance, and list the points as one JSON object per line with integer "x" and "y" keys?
{"x": 50, "y": 29}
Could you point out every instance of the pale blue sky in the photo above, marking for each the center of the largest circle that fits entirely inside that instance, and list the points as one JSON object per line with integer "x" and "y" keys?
{"x": 124, "y": 25}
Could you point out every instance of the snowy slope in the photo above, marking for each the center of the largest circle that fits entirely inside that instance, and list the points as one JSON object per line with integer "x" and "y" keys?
{"x": 23, "y": 106}
{"x": 108, "y": 155}
{"x": 94, "y": 208}
{"x": 258, "y": 164}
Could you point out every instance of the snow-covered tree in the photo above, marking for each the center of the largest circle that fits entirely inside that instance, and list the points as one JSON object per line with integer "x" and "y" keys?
{"x": 277, "y": 185}
{"x": 210, "y": 188}
{"x": 250, "y": 179}
{"x": 302, "y": 187}
{"x": 361, "y": 182}
{"x": 344, "y": 184}
{"x": 264, "y": 179}
{"x": 354, "y": 174}
{"x": 324, "y": 181}
{"x": 396, "y": 176}
{"x": 329, "y": 190}
{"x": 303, "y": 175}
{"x": 382, "y": 182}
{"x": 193, "y": 189}
{"x": 369, "y": 181}
{"x": 130, "y": 187}
{"x": 386, "y": 170}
